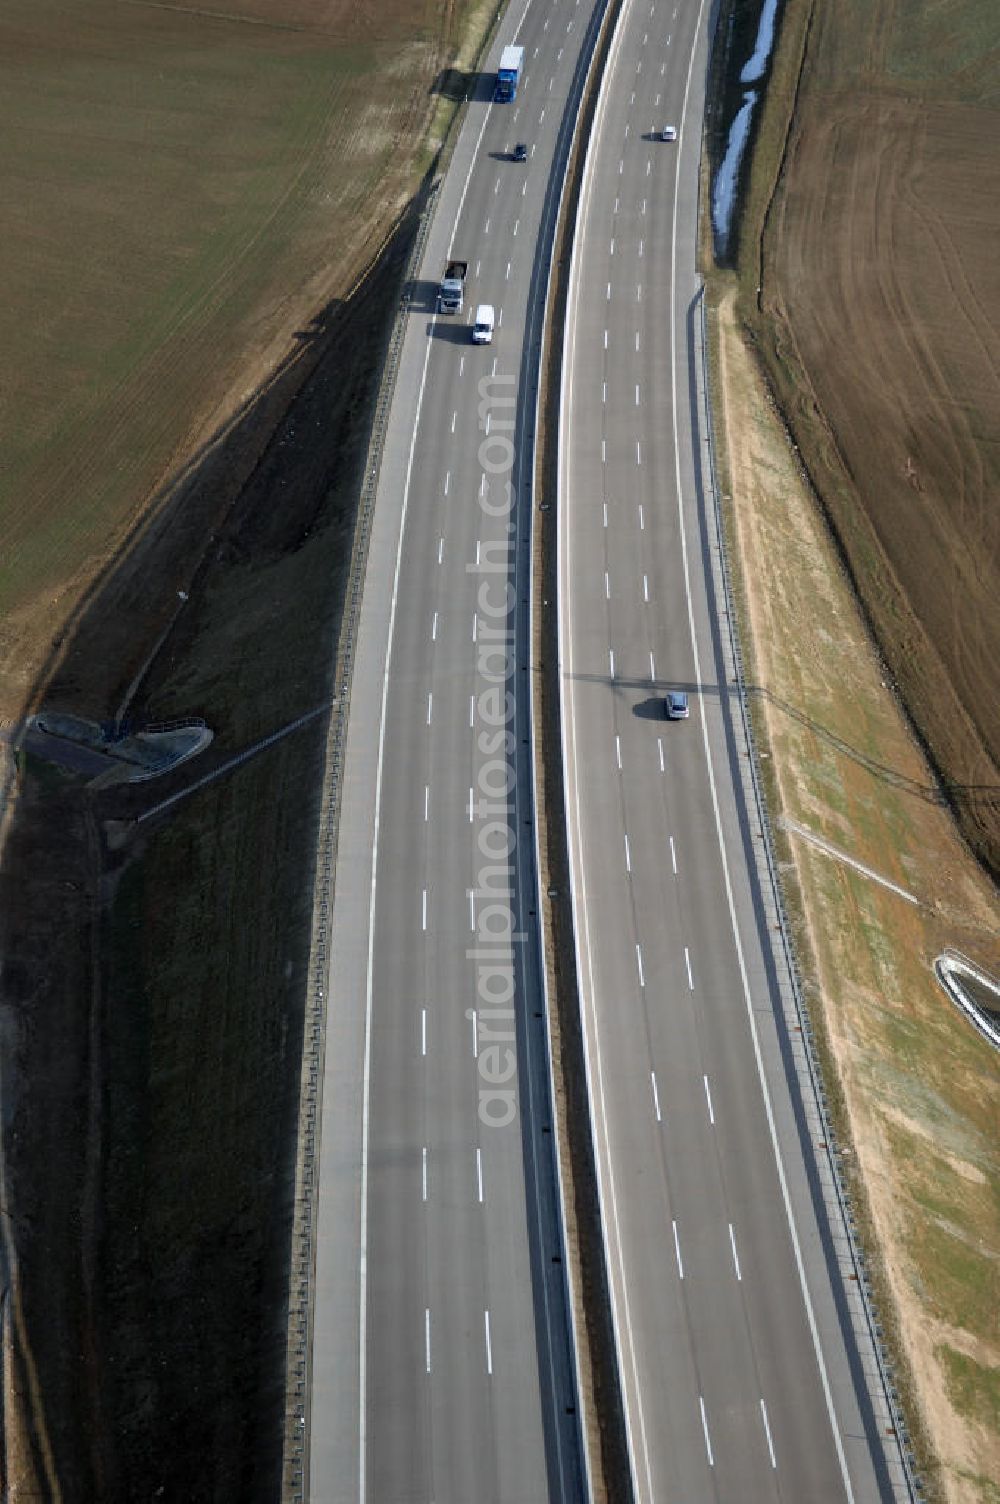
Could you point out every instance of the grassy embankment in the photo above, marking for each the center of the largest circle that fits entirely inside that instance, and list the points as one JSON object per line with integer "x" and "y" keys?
{"x": 192, "y": 198}
{"x": 915, "y": 1091}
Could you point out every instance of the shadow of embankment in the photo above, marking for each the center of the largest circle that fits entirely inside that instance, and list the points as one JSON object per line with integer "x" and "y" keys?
{"x": 152, "y": 995}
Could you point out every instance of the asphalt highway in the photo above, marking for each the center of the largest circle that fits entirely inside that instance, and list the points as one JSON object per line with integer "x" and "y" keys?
{"x": 442, "y": 1367}
{"x": 739, "y": 1371}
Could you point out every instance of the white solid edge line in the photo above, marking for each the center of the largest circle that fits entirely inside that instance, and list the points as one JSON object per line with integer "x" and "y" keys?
{"x": 366, "y": 1074}
{"x": 620, "y": 1315}
{"x": 779, "y": 1164}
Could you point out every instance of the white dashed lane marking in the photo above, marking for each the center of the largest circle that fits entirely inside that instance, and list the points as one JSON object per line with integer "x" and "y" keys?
{"x": 732, "y": 1244}
{"x": 767, "y": 1433}
{"x": 704, "y": 1427}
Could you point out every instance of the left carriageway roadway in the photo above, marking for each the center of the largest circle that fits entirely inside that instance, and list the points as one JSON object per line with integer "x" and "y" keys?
{"x": 442, "y": 1359}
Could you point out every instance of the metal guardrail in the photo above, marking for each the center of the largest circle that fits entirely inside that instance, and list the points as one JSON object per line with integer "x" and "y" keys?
{"x": 586, "y": 71}
{"x": 295, "y": 1472}
{"x": 913, "y": 1483}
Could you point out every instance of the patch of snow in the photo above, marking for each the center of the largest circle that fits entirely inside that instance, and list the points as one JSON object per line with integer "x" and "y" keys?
{"x": 754, "y": 69}
{"x": 724, "y": 187}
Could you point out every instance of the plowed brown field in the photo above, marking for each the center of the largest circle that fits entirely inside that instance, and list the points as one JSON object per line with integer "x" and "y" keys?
{"x": 880, "y": 316}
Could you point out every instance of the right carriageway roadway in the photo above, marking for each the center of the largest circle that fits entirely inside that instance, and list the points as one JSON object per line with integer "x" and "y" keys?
{"x": 741, "y": 1380}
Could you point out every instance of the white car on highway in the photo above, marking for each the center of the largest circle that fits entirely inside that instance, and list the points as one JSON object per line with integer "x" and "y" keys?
{"x": 482, "y": 329}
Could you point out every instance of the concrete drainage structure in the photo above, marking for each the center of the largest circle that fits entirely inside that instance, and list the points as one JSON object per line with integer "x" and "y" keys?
{"x": 954, "y": 971}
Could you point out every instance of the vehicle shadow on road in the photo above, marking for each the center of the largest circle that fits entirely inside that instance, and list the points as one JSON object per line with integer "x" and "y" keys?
{"x": 650, "y": 709}
{"x": 451, "y": 333}
{"x": 421, "y": 294}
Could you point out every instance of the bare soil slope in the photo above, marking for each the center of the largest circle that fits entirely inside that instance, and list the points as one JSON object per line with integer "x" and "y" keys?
{"x": 880, "y": 316}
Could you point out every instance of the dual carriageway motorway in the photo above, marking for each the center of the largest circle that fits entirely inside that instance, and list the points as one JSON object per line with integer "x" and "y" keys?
{"x": 443, "y": 1366}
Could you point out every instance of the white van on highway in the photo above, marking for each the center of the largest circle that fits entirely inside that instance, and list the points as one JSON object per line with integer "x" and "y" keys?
{"x": 482, "y": 329}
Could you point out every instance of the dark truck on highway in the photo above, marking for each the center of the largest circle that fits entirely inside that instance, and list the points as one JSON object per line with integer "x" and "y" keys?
{"x": 509, "y": 74}
{"x": 452, "y": 285}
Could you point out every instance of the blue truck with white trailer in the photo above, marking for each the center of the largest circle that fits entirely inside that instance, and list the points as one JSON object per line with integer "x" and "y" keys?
{"x": 509, "y": 74}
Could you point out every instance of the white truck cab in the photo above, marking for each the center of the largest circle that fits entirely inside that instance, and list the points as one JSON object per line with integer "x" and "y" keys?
{"x": 482, "y": 329}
